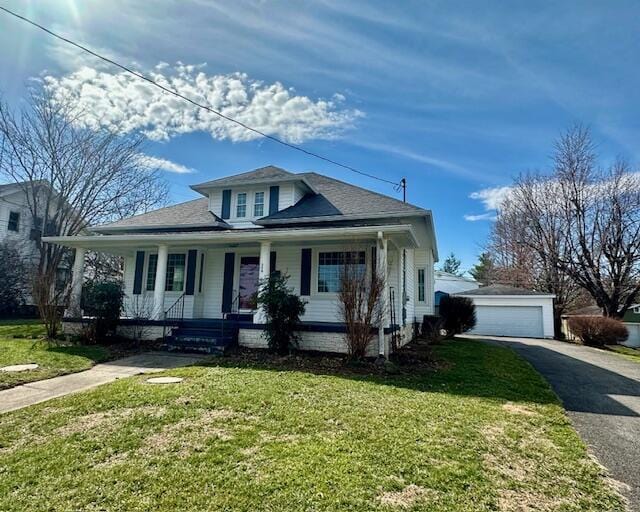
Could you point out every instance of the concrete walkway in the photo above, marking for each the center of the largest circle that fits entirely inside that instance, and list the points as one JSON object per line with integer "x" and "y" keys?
{"x": 40, "y": 391}
{"x": 601, "y": 393}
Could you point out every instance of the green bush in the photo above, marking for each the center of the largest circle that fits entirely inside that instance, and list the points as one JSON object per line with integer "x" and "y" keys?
{"x": 458, "y": 314}
{"x": 598, "y": 331}
{"x": 283, "y": 310}
{"x": 102, "y": 301}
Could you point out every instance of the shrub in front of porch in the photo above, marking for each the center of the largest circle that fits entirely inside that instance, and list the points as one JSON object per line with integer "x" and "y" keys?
{"x": 458, "y": 314}
{"x": 102, "y": 301}
{"x": 283, "y": 310}
{"x": 360, "y": 306}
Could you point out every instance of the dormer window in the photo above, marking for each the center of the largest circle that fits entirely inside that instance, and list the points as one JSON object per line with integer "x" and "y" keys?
{"x": 258, "y": 205}
{"x": 241, "y": 205}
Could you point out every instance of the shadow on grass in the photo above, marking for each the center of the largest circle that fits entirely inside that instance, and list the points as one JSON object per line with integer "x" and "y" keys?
{"x": 95, "y": 353}
{"x": 459, "y": 367}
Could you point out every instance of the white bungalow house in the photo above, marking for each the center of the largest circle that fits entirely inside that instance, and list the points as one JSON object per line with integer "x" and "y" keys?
{"x": 198, "y": 263}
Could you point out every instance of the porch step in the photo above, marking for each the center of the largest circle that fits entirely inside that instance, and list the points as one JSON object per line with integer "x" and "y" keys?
{"x": 208, "y": 336}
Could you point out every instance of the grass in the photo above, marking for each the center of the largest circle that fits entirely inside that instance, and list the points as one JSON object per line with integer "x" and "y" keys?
{"x": 18, "y": 347}
{"x": 484, "y": 432}
{"x": 22, "y": 328}
{"x": 627, "y": 352}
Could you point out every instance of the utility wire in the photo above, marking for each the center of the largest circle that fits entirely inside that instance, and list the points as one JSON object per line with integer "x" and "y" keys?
{"x": 199, "y": 105}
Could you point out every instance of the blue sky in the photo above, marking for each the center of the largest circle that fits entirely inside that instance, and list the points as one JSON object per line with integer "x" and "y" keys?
{"x": 458, "y": 97}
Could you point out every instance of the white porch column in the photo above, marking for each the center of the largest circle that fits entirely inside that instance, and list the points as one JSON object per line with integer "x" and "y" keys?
{"x": 382, "y": 265}
{"x": 76, "y": 283}
{"x": 161, "y": 280}
{"x": 263, "y": 273}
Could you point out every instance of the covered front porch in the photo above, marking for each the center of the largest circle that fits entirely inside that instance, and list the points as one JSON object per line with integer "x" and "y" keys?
{"x": 174, "y": 277}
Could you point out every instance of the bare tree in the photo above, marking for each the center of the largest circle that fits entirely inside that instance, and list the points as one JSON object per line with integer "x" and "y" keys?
{"x": 72, "y": 177}
{"x": 360, "y": 303}
{"x": 575, "y": 229}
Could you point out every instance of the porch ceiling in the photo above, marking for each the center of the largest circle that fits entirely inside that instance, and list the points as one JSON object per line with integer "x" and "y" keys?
{"x": 401, "y": 235}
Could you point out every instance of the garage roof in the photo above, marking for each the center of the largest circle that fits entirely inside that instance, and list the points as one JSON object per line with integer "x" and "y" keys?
{"x": 501, "y": 289}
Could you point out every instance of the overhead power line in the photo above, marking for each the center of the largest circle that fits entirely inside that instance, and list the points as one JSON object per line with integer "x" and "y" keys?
{"x": 197, "y": 104}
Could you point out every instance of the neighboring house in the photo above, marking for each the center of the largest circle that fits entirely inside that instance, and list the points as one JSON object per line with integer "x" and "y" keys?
{"x": 446, "y": 284}
{"x": 631, "y": 320}
{"x": 20, "y": 229}
{"x": 202, "y": 259}
{"x": 509, "y": 311}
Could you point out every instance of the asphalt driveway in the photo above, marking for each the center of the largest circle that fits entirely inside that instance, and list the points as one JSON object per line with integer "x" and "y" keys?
{"x": 601, "y": 393}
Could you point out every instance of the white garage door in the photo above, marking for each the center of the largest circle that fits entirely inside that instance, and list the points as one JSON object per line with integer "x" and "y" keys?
{"x": 525, "y": 321}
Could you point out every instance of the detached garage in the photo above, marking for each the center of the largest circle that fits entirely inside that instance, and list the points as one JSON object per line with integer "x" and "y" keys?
{"x": 508, "y": 311}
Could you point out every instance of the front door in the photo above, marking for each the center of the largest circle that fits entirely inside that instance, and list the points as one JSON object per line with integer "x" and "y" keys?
{"x": 249, "y": 273}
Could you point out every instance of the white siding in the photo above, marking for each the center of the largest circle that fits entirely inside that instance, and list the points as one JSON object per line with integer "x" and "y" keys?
{"x": 410, "y": 291}
{"x": 424, "y": 259}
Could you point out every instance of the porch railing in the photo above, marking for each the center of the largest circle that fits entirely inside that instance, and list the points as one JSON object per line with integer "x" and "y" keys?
{"x": 173, "y": 315}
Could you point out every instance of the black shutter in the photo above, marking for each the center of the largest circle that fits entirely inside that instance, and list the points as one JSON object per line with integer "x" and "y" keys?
{"x": 137, "y": 277}
{"x": 226, "y": 204}
{"x": 191, "y": 272}
{"x": 374, "y": 262}
{"x": 274, "y": 198}
{"x": 227, "y": 283}
{"x": 272, "y": 262}
{"x": 305, "y": 272}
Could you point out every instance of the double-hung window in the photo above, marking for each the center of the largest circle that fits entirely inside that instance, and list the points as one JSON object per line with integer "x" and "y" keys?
{"x": 331, "y": 266}
{"x": 420, "y": 285}
{"x": 14, "y": 221}
{"x": 175, "y": 272}
{"x": 241, "y": 205}
{"x": 258, "y": 204}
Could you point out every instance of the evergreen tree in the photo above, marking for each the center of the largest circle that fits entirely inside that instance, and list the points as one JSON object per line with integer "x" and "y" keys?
{"x": 451, "y": 265}
{"x": 483, "y": 270}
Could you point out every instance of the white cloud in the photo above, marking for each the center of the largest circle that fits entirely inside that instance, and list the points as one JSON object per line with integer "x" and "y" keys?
{"x": 125, "y": 103}
{"x": 481, "y": 216}
{"x": 491, "y": 198}
{"x": 152, "y": 162}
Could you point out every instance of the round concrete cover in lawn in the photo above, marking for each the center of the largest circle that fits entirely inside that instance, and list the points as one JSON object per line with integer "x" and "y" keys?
{"x": 19, "y": 367}
{"x": 164, "y": 380}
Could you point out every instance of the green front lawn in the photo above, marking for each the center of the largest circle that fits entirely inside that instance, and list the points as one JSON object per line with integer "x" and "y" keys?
{"x": 484, "y": 432}
{"x": 17, "y": 347}
{"x": 628, "y": 352}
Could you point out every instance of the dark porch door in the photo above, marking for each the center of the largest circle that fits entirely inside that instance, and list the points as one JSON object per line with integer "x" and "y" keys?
{"x": 248, "y": 282}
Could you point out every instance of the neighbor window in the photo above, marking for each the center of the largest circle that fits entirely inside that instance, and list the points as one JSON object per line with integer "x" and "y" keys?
{"x": 151, "y": 272}
{"x": 241, "y": 205}
{"x": 258, "y": 205}
{"x": 14, "y": 221}
{"x": 421, "y": 284}
{"x": 175, "y": 272}
{"x": 330, "y": 266}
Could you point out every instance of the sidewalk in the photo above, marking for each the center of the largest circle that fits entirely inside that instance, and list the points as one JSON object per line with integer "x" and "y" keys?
{"x": 40, "y": 391}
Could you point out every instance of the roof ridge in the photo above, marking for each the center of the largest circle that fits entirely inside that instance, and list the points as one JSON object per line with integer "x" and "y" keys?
{"x": 239, "y": 175}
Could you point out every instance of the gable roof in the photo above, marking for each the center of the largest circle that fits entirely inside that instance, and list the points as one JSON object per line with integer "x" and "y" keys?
{"x": 337, "y": 199}
{"x": 268, "y": 174}
{"x": 191, "y": 214}
{"x": 500, "y": 289}
{"x": 441, "y": 274}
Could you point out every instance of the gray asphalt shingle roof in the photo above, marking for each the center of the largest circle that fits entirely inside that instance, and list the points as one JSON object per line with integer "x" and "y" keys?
{"x": 193, "y": 213}
{"x": 500, "y": 289}
{"x": 334, "y": 199}
{"x": 263, "y": 173}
